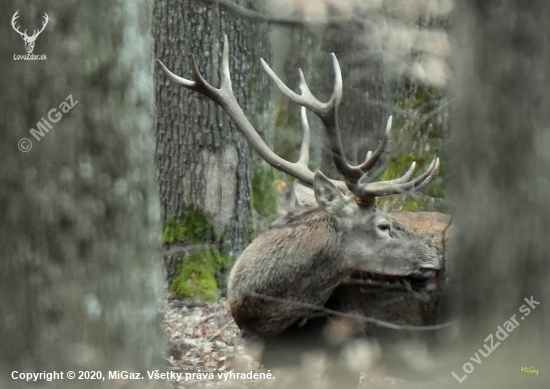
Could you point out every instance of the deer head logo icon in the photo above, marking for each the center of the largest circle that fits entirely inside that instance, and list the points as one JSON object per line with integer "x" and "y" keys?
{"x": 29, "y": 40}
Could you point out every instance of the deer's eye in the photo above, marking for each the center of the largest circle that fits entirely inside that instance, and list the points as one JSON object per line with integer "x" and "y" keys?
{"x": 384, "y": 227}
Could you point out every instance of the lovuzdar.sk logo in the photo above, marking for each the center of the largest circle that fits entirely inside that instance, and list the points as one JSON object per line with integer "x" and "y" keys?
{"x": 29, "y": 40}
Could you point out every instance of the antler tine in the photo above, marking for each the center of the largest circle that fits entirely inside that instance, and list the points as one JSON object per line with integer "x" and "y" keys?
{"x": 421, "y": 184}
{"x": 306, "y": 99}
{"x": 399, "y": 185}
{"x": 369, "y": 153}
{"x": 225, "y": 74}
{"x": 176, "y": 79}
{"x": 199, "y": 84}
{"x": 13, "y": 20}
{"x": 304, "y": 150}
{"x": 404, "y": 178}
{"x": 200, "y": 81}
{"x": 226, "y": 99}
{"x": 336, "y": 97}
{"x": 44, "y": 23}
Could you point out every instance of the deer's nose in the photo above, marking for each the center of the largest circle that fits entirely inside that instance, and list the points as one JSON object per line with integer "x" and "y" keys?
{"x": 433, "y": 262}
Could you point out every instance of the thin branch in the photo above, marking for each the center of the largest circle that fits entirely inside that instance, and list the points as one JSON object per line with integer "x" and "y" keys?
{"x": 409, "y": 113}
{"x": 218, "y": 332}
{"x": 185, "y": 249}
{"x": 394, "y": 109}
{"x": 443, "y": 106}
{"x": 397, "y": 288}
{"x": 355, "y": 316}
{"x": 291, "y": 21}
{"x": 435, "y": 200}
{"x": 189, "y": 304}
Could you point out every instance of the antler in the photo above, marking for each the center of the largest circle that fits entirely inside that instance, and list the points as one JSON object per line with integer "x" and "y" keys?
{"x": 355, "y": 176}
{"x": 36, "y": 33}
{"x": 24, "y": 34}
{"x": 15, "y": 16}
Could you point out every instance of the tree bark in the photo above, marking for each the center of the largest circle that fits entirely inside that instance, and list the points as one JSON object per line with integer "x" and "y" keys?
{"x": 500, "y": 162}
{"x": 79, "y": 277}
{"x": 201, "y": 160}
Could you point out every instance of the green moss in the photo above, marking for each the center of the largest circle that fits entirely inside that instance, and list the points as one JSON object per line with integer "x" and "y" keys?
{"x": 220, "y": 262}
{"x": 193, "y": 226}
{"x": 196, "y": 276}
{"x": 251, "y": 225}
{"x": 193, "y": 279}
{"x": 264, "y": 193}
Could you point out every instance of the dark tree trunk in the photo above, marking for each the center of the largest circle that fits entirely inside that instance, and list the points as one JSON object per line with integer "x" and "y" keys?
{"x": 202, "y": 162}
{"x": 79, "y": 277}
{"x": 501, "y": 161}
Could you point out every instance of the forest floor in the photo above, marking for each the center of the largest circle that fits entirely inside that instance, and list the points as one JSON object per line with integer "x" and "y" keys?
{"x": 203, "y": 338}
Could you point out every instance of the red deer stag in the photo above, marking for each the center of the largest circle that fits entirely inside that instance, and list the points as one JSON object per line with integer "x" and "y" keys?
{"x": 306, "y": 261}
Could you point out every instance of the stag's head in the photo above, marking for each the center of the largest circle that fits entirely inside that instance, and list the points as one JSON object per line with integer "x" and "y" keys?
{"x": 29, "y": 40}
{"x": 368, "y": 240}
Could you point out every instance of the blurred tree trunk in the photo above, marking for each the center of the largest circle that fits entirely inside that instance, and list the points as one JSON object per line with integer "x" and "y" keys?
{"x": 501, "y": 162}
{"x": 203, "y": 164}
{"x": 78, "y": 275}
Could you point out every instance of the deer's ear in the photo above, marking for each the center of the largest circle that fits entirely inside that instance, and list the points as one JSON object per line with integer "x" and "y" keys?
{"x": 329, "y": 197}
